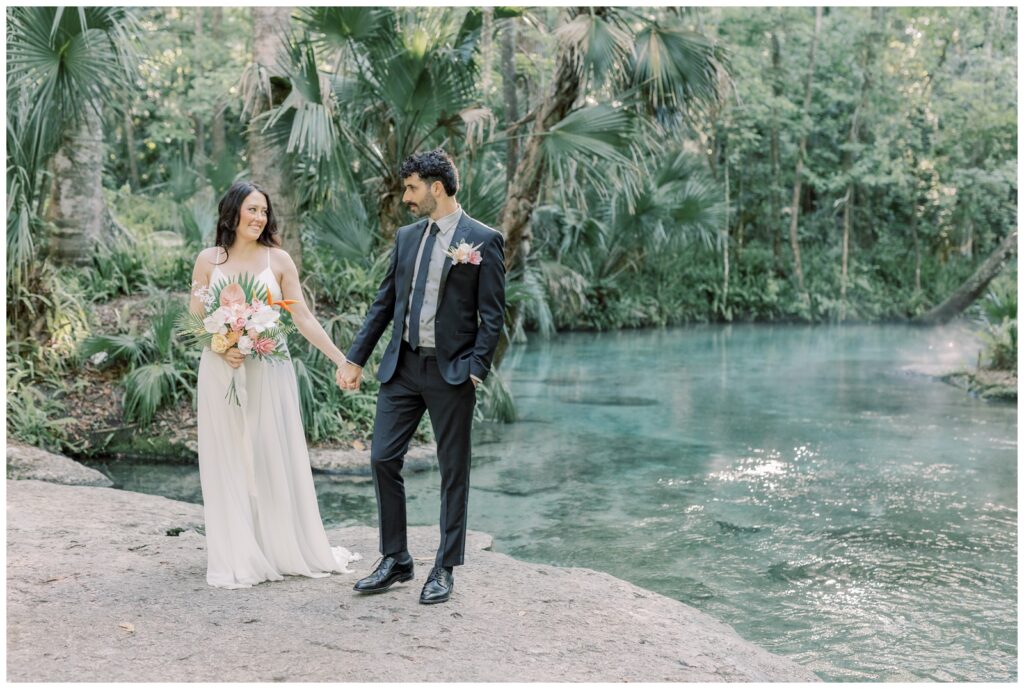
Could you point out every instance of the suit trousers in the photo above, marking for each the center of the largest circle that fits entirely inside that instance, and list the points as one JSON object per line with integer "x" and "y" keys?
{"x": 417, "y": 386}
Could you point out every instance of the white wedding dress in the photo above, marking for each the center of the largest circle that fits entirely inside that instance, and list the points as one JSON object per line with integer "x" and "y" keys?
{"x": 262, "y": 517}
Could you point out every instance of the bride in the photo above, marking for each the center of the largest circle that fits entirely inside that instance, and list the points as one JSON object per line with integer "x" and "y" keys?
{"x": 262, "y": 518}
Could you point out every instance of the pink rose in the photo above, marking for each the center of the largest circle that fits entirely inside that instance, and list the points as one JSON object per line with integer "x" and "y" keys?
{"x": 475, "y": 258}
{"x": 232, "y": 295}
{"x": 264, "y": 345}
{"x": 238, "y": 324}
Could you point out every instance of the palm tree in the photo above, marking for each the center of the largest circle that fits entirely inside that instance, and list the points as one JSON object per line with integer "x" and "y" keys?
{"x": 64, "y": 67}
{"x": 398, "y": 81}
{"x": 653, "y": 73}
{"x": 583, "y": 255}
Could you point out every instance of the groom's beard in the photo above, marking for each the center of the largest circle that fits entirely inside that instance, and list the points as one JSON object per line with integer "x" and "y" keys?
{"x": 422, "y": 211}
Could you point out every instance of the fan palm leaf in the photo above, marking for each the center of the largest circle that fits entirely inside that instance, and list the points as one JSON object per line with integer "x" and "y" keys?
{"x": 344, "y": 229}
{"x": 676, "y": 68}
{"x": 148, "y": 387}
{"x": 133, "y": 349}
{"x": 69, "y": 60}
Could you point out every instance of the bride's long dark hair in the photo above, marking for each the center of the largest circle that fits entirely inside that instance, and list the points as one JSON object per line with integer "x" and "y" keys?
{"x": 230, "y": 210}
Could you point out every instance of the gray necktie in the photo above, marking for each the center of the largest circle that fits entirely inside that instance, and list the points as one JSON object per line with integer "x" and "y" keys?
{"x": 421, "y": 287}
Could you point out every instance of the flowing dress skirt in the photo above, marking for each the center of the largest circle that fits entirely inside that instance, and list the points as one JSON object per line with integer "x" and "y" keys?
{"x": 262, "y": 517}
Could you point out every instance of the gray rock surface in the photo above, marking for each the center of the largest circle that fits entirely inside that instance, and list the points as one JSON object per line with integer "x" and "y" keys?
{"x": 28, "y": 462}
{"x": 354, "y": 462}
{"x": 98, "y": 591}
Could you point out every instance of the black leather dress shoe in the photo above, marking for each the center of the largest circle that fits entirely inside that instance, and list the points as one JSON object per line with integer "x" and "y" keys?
{"x": 388, "y": 572}
{"x": 438, "y": 588}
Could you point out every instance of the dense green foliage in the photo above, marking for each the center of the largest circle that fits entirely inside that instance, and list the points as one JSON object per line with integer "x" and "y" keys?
{"x": 665, "y": 200}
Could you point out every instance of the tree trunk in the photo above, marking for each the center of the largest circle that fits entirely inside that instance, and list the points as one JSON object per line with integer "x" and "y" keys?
{"x": 218, "y": 140}
{"x": 199, "y": 152}
{"x": 854, "y": 137}
{"x": 847, "y": 211}
{"x": 917, "y": 250}
{"x": 486, "y": 50}
{"x": 725, "y": 239}
{"x": 521, "y": 196}
{"x": 267, "y": 161}
{"x": 965, "y": 295}
{"x": 508, "y": 87}
{"x": 967, "y": 248}
{"x": 129, "y": 144}
{"x": 77, "y": 208}
{"x": 794, "y": 241}
{"x": 776, "y": 188}
{"x": 741, "y": 222}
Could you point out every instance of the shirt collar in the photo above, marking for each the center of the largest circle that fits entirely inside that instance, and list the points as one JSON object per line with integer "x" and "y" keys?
{"x": 448, "y": 222}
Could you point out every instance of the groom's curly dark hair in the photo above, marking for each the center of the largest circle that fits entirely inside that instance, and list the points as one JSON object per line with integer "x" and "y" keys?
{"x": 432, "y": 166}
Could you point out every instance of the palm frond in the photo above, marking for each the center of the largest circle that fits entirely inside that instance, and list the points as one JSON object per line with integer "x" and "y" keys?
{"x": 251, "y": 287}
{"x": 198, "y": 218}
{"x": 600, "y": 131}
{"x": 495, "y": 402}
{"x": 481, "y": 189}
{"x": 309, "y": 104}
{"x": 528, "y": 299}
{"x": 132, "y": 349}
{"x": 149, "y": 387}
{"x": 598, "y": 44}
{"x": 67, "y": 61}
{"x": 162, "y": 329}
{"x": 343, "y": 228}
{"x": 338, "y": 28}
{"x": 677, "y": 68}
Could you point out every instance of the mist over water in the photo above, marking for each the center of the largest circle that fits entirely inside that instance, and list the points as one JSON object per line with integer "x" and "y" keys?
{"x": 791, "y": 481}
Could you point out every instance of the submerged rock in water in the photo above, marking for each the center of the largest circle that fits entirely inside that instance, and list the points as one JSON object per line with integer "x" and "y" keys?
{"x": 354, "y": 462}
{"x": 613, "y": 401}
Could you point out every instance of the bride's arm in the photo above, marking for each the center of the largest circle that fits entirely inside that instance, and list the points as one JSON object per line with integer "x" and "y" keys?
{"x": 200, "y": 278}
{"x": 303, "y": 318}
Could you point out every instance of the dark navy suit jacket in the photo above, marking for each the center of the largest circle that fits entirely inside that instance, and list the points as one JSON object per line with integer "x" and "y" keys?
{"x": 470, "y": 304}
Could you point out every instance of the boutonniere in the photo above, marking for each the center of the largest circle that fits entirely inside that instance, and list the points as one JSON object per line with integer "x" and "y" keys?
{"x": 465, "y": 253}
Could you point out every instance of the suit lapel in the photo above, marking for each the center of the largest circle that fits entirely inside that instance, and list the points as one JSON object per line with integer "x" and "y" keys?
{"x": 460, "y": 234}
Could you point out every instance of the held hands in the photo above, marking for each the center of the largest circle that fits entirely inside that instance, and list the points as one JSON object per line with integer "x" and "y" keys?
{"x": 349, "y": 376}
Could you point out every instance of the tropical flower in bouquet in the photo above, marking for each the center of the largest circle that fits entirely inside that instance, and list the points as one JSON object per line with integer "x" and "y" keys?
{"x": 239, "y": 312}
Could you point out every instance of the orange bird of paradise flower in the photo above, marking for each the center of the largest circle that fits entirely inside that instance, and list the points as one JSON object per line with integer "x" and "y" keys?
{"x": 285, "y": 304}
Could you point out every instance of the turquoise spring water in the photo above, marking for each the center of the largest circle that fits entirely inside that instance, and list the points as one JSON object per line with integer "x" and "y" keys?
{"x": 791, "y": 481}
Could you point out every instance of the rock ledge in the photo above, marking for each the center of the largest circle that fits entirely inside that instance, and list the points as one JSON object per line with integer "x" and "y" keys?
{"x": 109, "y": 586}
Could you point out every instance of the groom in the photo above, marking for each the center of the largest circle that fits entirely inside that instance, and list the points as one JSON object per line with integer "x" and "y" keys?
{"x": 443, "y": 299}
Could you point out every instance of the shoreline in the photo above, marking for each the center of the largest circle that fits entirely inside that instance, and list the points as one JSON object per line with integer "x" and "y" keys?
{"x": 125, "y": 591}
{"x": 989, "y": 385}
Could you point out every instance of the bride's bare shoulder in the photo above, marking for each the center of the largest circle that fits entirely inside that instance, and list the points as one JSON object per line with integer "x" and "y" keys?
{"x": 280, "y": 258}
{"x": 205, "y": 262}
{"x": 210, "y": 253}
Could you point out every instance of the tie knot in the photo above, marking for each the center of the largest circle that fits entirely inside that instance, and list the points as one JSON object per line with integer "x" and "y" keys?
{"x": 434, "y": 229}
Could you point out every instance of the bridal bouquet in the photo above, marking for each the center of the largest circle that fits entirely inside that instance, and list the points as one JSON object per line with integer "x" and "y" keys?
{"x": 240, "y": 313}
